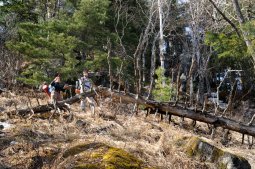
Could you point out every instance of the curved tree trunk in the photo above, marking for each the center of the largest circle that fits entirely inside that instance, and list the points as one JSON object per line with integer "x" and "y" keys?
{"x": 245, "y": 34}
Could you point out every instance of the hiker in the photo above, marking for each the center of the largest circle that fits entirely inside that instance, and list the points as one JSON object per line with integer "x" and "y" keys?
{"x": 45, "y": 88}
{"x": 56, "y": 88}
{"x": 84, "y": 84}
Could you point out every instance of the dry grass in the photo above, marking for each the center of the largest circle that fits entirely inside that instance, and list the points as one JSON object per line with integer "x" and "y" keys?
{"x": 42, "y": 142}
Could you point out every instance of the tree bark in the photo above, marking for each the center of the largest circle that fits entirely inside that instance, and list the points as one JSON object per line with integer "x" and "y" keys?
{"x": 109, "y": 61}
{"x": 182, "y": 112}
{"x": 144, "y": 63}
{"x": 153, "y": 65}
{"x": 161, "y": 107}
{"x": 242, "y": 21}
{"x": 142, "y": 47}
{"x": 161, "y": 41}
{"x": 225, "y": 18}
{"x": 137, "y": 65}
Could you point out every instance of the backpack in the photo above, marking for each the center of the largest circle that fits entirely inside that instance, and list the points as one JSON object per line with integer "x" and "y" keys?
{"x": 51, "y": 88}
{"x": 83, "y": 84}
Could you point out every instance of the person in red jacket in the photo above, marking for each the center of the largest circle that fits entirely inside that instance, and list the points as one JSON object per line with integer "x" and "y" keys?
{"x": 45, "y": 88}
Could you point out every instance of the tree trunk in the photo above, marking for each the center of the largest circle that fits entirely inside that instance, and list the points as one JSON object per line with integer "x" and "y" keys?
{"x": 153, "y": 64}
{"x": 161, "y": 41}
{"x": 191, "y": 90}
{"x": 182, "y": 112}
{"x": 141, "y": 49}
{"x": 178, "y": 83}
{"x": 56, "y": 8}
{"x": 109, "y": 61}
{"x": 161, "y": 108}
{"x": 241, "y": 21}
{"x": 225, "y": 17}
{"x": 201, "y": 88}
{"x": 231, "y": 98}
{"x": 137, "y": 56}
{"x": 48, "y": 12}
{"x": 144, "y": 62}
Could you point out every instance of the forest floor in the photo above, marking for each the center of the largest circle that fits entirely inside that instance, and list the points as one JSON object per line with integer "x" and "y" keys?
{"x": 149, "y": 139}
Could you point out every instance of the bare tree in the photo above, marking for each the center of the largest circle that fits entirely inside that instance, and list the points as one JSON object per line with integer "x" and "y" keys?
{"x": 165, "y": 20}
{"x": 225, "y": 17}
{"x": 9, "y": 67}
{"x": 153, "y": 64}
{"x": 234, "y": 12}
{"x": 142, "y": 45}
{"x": 245, "y": 34}
{"x": 122, "y": 19}
{"x": 161, "y": 36}
{"x": 109, "y": 61}
{"x": 198, "y": 23}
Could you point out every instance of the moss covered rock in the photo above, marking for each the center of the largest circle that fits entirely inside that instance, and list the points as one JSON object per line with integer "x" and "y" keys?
{"x": 204, "y": 151}
{"x": 101, "y": 156}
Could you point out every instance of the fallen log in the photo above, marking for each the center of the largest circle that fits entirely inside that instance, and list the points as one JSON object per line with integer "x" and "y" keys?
{"x": 180, "y": 111}
{"x": 49, "y": 107}
{"x": 176, "y": 110}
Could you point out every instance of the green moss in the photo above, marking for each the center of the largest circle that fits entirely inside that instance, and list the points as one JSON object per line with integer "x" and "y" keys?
{"x": 217, "y": 153}
{"x": 87, "y": 166}
{"x": 222, "y": 166}
{"x": 191, "y": 148}
{"x": 98, "y": 155}
{"x": 80, "y": 148}
{"x": 116, "y": 158}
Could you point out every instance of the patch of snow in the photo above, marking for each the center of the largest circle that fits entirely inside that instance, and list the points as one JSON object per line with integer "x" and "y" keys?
{"x": 6, "y": 125}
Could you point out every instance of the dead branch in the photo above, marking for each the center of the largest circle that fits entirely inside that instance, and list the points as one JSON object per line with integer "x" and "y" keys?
{"x": 49, "y": 107}
{"x": 180, "y": 111}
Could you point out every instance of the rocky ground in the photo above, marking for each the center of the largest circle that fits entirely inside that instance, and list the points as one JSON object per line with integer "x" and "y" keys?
{"x": 71, "y": 139}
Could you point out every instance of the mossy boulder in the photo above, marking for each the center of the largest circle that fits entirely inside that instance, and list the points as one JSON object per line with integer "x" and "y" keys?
{"x": 231, "y": 161}
{"x": 101, "y": 156}
{"x": 199, "y": 148}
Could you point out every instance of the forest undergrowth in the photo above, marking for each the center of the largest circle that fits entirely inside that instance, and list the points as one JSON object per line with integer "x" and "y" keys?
{"x": 39, "y": 141}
